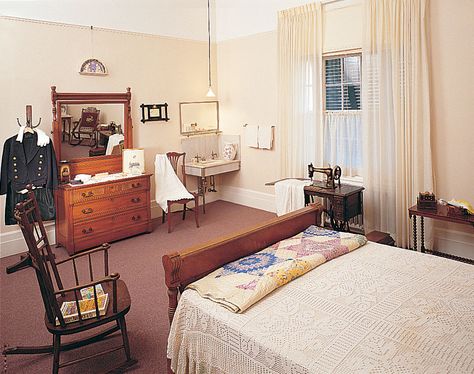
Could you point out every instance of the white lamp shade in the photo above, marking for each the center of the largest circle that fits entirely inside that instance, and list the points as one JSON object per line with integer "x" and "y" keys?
{"x": 210, "y": 93}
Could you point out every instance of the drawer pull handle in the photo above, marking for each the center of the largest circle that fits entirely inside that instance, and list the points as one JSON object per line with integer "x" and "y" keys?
{"x": 87, "y": 211}
{"x": 136, "y": 185}
{"x": 87, "y": 231}
{"x": 135, "y": 200}
{"x": 136, "y": 218}
{"x": 88, "y": 194}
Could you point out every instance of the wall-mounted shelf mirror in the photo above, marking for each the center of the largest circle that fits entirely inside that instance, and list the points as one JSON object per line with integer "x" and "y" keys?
{"x": 199, "y": 117}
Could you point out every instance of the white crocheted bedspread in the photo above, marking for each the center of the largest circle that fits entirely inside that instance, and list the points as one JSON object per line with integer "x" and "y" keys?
{"x": 375, "y": 310}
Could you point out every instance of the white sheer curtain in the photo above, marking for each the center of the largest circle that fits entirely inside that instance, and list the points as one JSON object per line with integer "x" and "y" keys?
{"x": 396, "y": 113}
{"x": 343, "y": 141}
{"x": 299, "y": 89}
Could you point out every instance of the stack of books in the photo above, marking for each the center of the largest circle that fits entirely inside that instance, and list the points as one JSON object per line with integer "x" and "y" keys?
{"x": 86, "y": 305}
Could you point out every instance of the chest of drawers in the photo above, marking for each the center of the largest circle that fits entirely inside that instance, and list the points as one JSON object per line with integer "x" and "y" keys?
{"x": 93, "y": 214}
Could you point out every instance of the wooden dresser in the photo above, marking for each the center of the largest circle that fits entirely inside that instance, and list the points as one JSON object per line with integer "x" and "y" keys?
{"x": 92, "y": 214}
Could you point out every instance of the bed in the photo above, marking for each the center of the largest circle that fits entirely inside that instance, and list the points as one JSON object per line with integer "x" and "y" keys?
{"x": 376, "y": 309}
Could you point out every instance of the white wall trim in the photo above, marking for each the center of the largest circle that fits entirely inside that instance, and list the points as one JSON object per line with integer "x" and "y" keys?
{"x": 458, "y": 243}
{"x": 12, "y": 242}
{"x": 250, "y": 198}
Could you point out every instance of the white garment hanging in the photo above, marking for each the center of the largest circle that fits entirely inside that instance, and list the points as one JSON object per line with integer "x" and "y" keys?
{"x": 289, "y": 194}
{"x": 251, "y": 136}
{"x": 42, "y": 140}
{"x": 265, "y": 137}
{"x": 168, "y": 185}
{"x": 114, "y": 140}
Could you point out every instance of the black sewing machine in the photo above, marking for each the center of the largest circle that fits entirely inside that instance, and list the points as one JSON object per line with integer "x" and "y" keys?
{"x": 332, "y": 175}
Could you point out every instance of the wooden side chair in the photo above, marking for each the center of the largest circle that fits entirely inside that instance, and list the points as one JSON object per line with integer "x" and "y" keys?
{"x": 177, "y": 161}
{"x": 86, "y": 127}
{"x": 53, "y": 292}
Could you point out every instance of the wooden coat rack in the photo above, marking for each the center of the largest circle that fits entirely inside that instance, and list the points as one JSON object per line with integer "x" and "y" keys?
{"x": 29, "y": 118}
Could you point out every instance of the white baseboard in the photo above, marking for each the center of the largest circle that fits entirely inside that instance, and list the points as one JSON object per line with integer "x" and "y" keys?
{"x": 12, "y": 243}
{"x": 458, "y": 243}
{"x": 250, "y": 198}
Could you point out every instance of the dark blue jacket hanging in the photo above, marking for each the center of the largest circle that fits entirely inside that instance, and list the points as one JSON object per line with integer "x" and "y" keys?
{"x": 27, "y": 163}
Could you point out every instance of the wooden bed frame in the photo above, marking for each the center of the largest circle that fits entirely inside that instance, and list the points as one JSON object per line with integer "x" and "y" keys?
{"x": 185, "y": 267}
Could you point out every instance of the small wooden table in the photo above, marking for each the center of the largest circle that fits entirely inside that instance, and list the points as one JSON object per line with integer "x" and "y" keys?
{"x": 67, "y": 124}
{"x": 437, "y": 214}
{"x": 344, "y": 202}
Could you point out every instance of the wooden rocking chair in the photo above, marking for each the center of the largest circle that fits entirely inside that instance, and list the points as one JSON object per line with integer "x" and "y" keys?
{"x": 86, "y": 127}
{"x": 41, "y": 258}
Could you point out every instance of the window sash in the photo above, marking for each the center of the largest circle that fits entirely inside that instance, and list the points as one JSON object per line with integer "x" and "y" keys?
{"x": 343, "y": 101}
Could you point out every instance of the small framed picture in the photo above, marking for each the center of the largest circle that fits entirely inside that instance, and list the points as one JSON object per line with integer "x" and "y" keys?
{"x": 133, "y": 161}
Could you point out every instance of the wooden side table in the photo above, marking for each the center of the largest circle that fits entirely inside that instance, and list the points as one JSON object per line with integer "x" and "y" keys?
{"x": 344, "y": 202}
{"x": 437, "y": 214}
{"x": 67, "y": 124}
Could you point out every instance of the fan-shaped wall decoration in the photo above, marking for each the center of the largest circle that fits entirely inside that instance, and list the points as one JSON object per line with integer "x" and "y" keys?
{"x": 93, "y": 66}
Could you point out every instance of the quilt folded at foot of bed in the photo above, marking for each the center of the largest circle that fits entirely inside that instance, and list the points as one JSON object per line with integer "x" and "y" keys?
{"x": 240, "y": 284}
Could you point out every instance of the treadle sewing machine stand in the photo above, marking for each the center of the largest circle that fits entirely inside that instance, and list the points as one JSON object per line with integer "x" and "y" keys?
{"x": 343, "y": 202}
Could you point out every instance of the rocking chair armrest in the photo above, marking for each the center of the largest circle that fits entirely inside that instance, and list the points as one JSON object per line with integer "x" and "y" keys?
{"x": 104, "y": 247}
{"x": 109, "y": 278}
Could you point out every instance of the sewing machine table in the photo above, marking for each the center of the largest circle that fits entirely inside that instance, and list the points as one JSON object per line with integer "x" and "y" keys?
{"x": 343, "y": 203}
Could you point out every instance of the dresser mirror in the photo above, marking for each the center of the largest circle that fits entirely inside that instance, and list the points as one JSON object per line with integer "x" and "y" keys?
{"x": 199, "y": 117}
{"x": 91, "y": 129}
{"x": 87, "y": 129}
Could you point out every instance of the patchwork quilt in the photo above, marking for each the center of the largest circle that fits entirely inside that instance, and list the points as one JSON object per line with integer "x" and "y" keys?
{"x": 240, "y": 284}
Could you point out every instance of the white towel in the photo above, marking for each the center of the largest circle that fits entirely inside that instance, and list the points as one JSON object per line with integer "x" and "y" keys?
{"x": 289, "y": 194}
{"x": 114, "y": 140}
{"x": 168, "y": 185}
{"x": 251, "y": 136}
{"x": 265, "y": 137}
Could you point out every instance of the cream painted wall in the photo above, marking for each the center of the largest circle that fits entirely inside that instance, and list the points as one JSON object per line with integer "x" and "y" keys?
{"x": 158, "y": 69}
{"x": 452, "y": 109}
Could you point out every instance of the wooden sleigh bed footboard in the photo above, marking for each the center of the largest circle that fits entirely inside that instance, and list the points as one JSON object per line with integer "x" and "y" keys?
{"x": 185, "y": 267}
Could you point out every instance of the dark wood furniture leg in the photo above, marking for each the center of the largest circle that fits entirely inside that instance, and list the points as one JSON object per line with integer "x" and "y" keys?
{"x": 422, "y": 226}
{"x": 415, "y": 246}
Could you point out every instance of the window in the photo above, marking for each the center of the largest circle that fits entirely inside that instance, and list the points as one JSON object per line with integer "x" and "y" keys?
{"x": 342, "y": 82}
{"x": 342, "y": 124}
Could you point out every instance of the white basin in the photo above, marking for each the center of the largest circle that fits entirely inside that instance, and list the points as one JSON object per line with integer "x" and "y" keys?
{"x": 207, "y": 162}
{"x": 211, "y": 167}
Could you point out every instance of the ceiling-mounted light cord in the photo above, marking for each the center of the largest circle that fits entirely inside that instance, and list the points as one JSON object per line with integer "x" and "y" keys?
{"x": 209, "y": 93}
{"x": 92, "y": 41}
{"x": 209, "y": 38}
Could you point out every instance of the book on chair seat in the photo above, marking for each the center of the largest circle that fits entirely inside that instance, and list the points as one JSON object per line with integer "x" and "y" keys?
{"x": 86, "y": 306}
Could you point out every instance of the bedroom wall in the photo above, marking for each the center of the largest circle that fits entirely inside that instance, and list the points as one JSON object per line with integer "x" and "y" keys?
{"x": 41, "y": 54}
{"x": 247, "y": 70}
{"x": 452, "y": 112}
{"x": 247, "y": 66}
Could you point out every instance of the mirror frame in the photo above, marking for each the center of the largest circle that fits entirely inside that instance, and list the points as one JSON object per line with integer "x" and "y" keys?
{"x": 61, "y": 98}
{"x": 189, "y": 133}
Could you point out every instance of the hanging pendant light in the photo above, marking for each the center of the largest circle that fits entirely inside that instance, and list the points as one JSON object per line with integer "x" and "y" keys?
{"x": 210, "y": 93}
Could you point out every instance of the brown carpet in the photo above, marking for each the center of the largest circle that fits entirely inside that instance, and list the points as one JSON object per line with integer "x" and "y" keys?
{"x": 138, "y": 260}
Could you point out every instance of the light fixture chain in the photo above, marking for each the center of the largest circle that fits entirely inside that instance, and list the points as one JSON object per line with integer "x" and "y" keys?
{"x": 209, "y": 38}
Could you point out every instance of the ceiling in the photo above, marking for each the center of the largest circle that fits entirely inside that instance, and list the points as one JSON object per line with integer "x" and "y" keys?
{"x": 176, "y": 18}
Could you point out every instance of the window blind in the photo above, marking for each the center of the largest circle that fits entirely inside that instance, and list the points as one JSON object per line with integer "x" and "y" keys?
{"x": 342, "y": 83}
